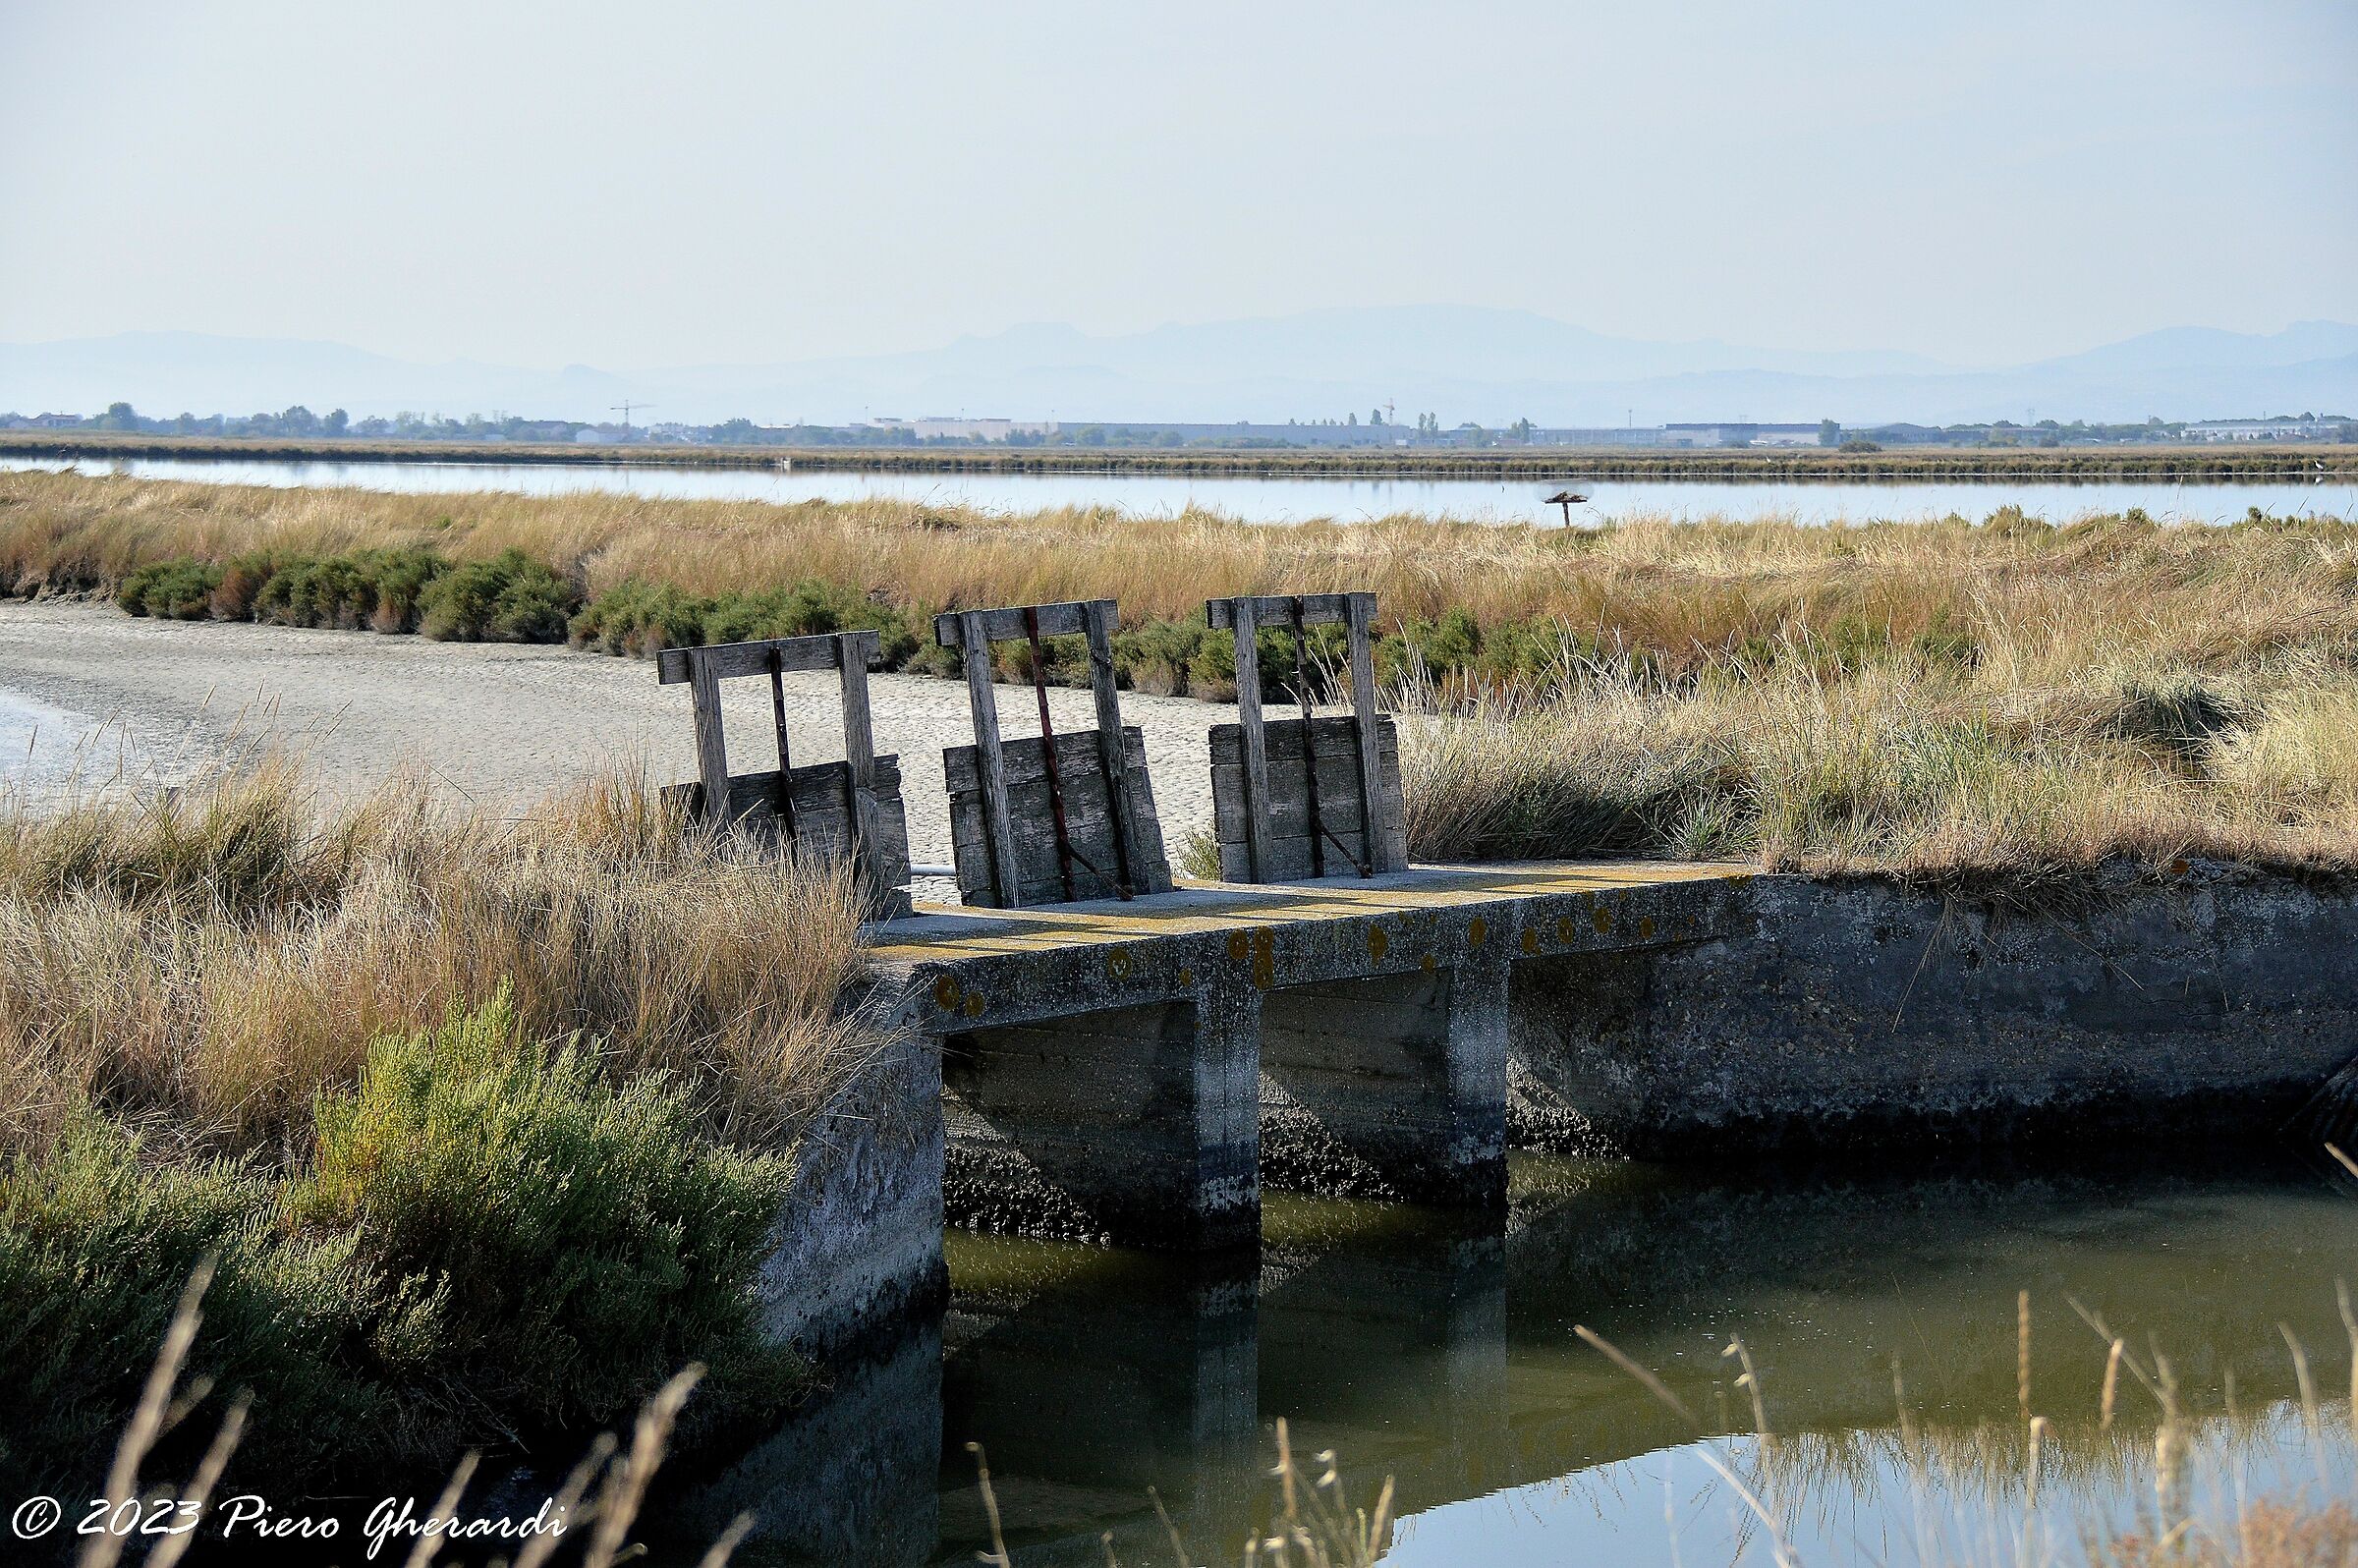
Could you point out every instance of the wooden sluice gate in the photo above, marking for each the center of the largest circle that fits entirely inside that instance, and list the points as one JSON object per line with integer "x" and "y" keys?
{"x": 1127, "y": 1058}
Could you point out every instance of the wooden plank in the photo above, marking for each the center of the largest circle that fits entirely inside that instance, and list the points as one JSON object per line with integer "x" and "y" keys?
{"x": 1076, "y": 760}
{"x": 1281, "y": 738}
{"x": 1247, "y": 623}
{"x": 822, "y": 796}
{"x": 1360, "y": 620}
{"x": 1089, "y": 821}
{"x": 1007, "y": 625}
{"x": 1285, "y": 819}
{"x": 712, "y": 750}
{"x": 975, "y": 645}
{"x": 1113, "y": 756}
{"x": 1318, "y": 609}
{"x": 728, "y": 661}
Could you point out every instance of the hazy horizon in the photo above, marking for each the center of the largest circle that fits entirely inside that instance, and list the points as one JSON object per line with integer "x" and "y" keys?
{"x": 733, "y": 185}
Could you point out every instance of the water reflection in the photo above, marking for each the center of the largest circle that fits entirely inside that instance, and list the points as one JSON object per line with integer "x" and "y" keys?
{"x": 1443, "y": 1357}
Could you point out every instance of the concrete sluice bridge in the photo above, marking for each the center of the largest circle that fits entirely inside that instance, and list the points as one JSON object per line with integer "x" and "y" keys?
{"x": 1133, "y": 1072}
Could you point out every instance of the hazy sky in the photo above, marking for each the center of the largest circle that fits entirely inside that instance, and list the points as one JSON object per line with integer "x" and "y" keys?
{"x": 643, "y": 185}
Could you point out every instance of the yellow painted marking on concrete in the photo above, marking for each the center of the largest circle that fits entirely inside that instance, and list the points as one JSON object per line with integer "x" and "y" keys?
{"x": 1117, "y": 964}
{"x": 1240, "y": 946}
{"x": 973, "y": 1004}
{"x": 1531, "y": 941}
{"x": 1644, "y": 927}
{"x": 1187, "y": 976}
{"x": 945, "y": 991}
{"x": 1602, "y": 918}
{"x": 1428, "y": 963}
{"x": 1265, "y": 960}
{"x": 1475, "y": 929}
{"x": 976, "y": 932}
{"x": 1565, "y": 930}
{"x": 1378, "y": 943}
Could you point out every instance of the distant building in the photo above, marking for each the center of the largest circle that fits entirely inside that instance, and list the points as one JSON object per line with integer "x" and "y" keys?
{"x": 944, "y": 429}
{"x": 53, "y": 422}
{"x": 2265, "y": 429}
{"x": 1600, "y": 435}
{"x": 1740, "y": 434}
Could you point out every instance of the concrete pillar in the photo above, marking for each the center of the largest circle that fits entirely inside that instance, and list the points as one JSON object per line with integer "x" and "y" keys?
{"x": 1135, "y": 1125}
{"x": 1392, "y": 1086}
{"x": 856, "y": 1247}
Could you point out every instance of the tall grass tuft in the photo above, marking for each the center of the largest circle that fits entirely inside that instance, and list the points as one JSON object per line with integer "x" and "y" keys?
{"x": 211, "y": 958}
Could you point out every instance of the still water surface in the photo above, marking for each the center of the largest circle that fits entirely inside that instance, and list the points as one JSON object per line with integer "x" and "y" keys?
{"x": 1442, "y": 1353}
{"x": 1279, "y": 500}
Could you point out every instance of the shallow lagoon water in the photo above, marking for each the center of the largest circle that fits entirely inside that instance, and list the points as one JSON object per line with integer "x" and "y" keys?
{"x": 43, "y": 747}
{"x": 1257, "y": 499}
{"x": 1441, "y": 1352}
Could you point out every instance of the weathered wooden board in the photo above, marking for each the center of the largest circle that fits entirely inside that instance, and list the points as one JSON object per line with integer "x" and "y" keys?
{"x": 791, "y": 655}
{"x": 822, "y": 813}
{"x": 1090, "y": 821}
{"x": 1285, "y": 848}
{"x": 1007, "y": 625}
{"x": 1318, "y": 609}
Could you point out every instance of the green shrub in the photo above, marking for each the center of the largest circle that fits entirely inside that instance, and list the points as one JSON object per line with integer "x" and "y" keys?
{"x": 178, "y": 590}
{"x": 241, "y": 585}
{"x": 641, "y": 618}
{"x": 96, "y": 1244}
{"x": 509, "y": 599}
{"x": 585, "y": 1241}
{"x": 809, "y": 608}
{"x": 1154, "y": 657}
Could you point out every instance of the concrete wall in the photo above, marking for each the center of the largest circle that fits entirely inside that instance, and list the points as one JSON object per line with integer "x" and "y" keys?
{"x": 858, "y": 1246}
{"x": 1845, "y": 1014}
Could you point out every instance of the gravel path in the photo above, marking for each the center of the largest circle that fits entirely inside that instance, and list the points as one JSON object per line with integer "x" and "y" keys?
{"x": 494, "y": 723}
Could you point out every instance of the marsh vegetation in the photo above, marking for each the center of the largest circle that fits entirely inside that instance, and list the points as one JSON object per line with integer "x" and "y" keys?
{"x": 483, "y": 1122}
{"x": 1953, "y": 699}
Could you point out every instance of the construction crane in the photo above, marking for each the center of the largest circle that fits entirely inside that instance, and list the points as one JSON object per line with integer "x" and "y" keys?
{"x": 623, "y": 409}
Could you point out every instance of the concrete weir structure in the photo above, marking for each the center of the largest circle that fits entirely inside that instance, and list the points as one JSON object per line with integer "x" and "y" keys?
{"x": 1138, "y": 1072}
{"x": 1134, "y": 1072}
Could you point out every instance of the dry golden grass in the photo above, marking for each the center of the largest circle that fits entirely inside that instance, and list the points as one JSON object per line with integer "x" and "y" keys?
{"x": 205, "y": 961}
{"x": 1920, "y": 767}
{"x": 1934, "y": 700}
{"x": 2025, "y": 593}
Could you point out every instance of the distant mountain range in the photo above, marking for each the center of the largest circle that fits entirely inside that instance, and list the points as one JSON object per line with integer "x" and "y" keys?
{"x": 1460, "y": 362}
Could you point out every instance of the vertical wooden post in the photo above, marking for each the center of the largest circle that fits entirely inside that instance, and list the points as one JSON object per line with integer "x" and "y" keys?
{"x": 1359, "y": 622}
{"x": 1255, "y": 743}
{"x": 991, "y": 762}
{"x": 852, "y": 653}
{"x": 711, "y": 751}
{"x": 1097, "y": 626}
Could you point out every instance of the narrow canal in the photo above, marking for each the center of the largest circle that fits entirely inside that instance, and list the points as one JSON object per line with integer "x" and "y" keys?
{"x": 1442, "y": 1355}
